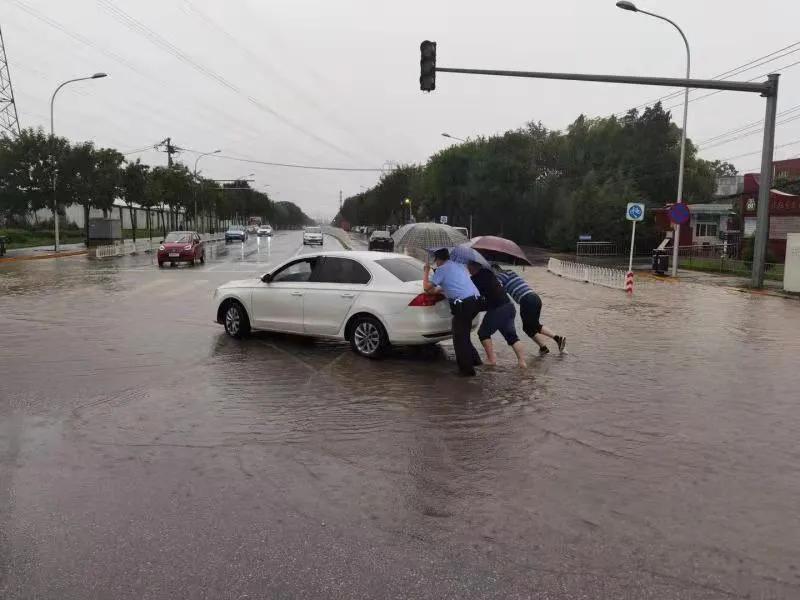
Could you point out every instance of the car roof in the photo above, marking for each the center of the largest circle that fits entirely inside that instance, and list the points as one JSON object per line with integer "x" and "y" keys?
{"x": 367, "y": 255}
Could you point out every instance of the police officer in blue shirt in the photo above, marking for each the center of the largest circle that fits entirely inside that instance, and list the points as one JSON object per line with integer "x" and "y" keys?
{"x": 453, "y": 280}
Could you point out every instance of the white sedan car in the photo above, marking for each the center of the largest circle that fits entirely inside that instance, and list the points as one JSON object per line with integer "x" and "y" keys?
{"x": 312, "y": 235}
{"x": 371, "y": 299}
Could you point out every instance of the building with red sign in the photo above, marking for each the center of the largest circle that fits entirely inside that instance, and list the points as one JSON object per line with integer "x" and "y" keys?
{"x": 784, "y": 209}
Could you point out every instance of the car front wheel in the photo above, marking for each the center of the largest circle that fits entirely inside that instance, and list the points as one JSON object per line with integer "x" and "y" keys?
{"x": 368, "y": 337}
{"x": 237, "y": 324}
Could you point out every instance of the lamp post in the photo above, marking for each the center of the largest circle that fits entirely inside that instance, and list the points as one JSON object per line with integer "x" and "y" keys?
{"x": 53, "y": 146}
{"x": 407, "y": 204}
{"x": 197, "y": 183}
{"x": 625, "y": 5}
{"x": 452, "y": 137}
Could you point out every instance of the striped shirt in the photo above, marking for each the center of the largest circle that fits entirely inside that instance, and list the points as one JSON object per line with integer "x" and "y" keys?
{"x": 514, "y": 285}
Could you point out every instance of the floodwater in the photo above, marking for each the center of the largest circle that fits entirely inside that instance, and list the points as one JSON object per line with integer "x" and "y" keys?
{"x": 144, "y": 454}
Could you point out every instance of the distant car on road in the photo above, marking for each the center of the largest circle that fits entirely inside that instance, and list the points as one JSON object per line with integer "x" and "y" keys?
{"x": 235, "y": 233}
{"x": 381, "y": 240}
{"x": 181, "y": 246}
{"x": 252, "y": 229}
{"x": 264, "y": 230}
{"x": 371, "y": 299}
{"x": 312, "y": 235}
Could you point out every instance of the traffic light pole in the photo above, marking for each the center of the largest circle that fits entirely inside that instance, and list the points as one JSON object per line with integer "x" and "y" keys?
{"x": 768, "y": 89}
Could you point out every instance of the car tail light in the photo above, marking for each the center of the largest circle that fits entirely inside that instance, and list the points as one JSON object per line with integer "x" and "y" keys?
{"x": 426, "y": 299}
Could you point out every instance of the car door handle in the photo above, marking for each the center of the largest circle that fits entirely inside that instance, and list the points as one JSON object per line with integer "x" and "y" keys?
{"x": 297, "y": 293}
{"x": 348, "y": 295}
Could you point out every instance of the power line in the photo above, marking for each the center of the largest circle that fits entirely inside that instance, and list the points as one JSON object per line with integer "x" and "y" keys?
{"x": 748, "y": 126}
{"x": 759, "y": 150}
{"x": 190, "y": 8}
{"x": 216, "y": 110}
{"x": 748, "y": 134}
{"x": 160, "y": 42}
{"x": 288, "y": 165}
{"x": 756, "y": 78}
{"x": 795, "y": 47}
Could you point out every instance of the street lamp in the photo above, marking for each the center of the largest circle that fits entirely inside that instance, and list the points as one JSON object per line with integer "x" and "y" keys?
{"x": 407, "y": 203}
{"x": 53, "y": 144}
{"x": 452, "y": 137}
{"x": 196, "y": 183}
{"x": 625, "y": 5}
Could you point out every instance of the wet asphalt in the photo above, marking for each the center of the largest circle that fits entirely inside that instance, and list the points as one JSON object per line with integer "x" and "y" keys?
{"x": 144, "y": 454}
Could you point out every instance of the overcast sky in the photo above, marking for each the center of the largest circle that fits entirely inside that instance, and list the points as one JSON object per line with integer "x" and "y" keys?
{"x": 335, "y": 82}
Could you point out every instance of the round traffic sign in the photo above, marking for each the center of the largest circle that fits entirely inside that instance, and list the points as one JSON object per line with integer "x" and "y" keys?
{"x": 635, "y": 212}
{"x": 679, "y": 213}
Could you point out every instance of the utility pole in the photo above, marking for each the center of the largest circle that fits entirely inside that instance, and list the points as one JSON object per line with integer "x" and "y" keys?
{"x": 340, "y": 201}
{"x": 170, "y": 150}
{"x": 8, "y": 108}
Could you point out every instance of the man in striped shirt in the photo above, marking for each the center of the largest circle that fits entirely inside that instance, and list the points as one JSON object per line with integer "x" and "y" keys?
{"x": 530, "y": 309}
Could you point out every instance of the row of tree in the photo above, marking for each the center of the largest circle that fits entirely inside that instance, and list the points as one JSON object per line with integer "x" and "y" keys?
{"x": 545, "y": 187}
{"x": 96, "y": 177}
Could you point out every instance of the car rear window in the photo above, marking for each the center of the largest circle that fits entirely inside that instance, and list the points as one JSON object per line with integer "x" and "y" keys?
{"x": 313, "y": 230}
{"x": 381, "y": 234}
{"x": 405, "y": 269}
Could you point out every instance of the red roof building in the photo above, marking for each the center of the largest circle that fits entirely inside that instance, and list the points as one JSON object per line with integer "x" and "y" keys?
{"x": 784, "y": 209}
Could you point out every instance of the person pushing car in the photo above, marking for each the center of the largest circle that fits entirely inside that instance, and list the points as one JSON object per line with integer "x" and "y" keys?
{"x": 453, "y": 280}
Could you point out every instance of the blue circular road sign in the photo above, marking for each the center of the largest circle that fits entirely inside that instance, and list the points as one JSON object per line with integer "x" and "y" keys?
{"x": 679, "y": 213}
{"x": 635, "y": 212}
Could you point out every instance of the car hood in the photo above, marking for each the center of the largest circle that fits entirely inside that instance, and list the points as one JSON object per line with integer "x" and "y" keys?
{"x": 239, "y": 283}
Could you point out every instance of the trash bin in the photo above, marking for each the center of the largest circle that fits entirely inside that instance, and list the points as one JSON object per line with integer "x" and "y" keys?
{"x": 660, "y": 262}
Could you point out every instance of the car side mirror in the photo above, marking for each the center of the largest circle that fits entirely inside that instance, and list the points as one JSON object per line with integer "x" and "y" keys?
{"x": 267, "y": 278}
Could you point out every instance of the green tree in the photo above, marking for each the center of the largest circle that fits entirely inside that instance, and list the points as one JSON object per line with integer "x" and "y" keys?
{"x": 134, "y": 189}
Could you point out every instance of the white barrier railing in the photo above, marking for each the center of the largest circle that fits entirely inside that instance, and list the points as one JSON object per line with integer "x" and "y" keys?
{"x": 613, "y": 278}
{"x": 130, "y": 247}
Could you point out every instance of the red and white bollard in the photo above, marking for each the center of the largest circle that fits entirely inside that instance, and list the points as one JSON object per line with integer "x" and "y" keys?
{"x": 629, "y": 282}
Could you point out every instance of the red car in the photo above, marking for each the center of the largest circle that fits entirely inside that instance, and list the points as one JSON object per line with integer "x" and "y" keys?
{"x": 181, "y": 246}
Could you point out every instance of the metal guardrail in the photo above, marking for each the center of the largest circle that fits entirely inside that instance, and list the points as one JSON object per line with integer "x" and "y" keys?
{"x": 130, "y": 247}
{"x": 612, "y": 278}
{"x": 596, "y": 249}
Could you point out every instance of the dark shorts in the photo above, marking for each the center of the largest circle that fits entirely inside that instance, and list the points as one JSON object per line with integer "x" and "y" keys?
{"x": 499, "y": 319}
{"x": 530, "y": 310}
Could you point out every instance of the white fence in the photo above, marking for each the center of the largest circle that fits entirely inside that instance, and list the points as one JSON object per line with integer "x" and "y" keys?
{"x": 130, "y": 247}
{"x": 613, "y": 278}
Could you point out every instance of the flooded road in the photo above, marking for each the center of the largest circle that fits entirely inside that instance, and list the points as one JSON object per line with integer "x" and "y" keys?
{"x": 144, "y": 454}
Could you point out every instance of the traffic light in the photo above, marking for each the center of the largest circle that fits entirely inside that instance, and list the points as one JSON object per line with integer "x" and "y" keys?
{"x": 427, "y": 66}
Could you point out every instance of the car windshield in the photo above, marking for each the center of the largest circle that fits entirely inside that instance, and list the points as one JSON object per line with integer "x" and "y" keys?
{"x": 380, "y": 234}
{"x": 234, "y": 229}
{"x": 313, "y": 230}
{"x": 178, "y": 237}
{"x": 405, "y": 269}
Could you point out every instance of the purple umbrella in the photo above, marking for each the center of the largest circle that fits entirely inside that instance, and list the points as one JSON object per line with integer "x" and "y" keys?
{"x": 499, "y": 249}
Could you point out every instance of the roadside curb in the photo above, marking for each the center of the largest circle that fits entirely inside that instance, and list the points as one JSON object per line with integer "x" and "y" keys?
{"x": 43, "y": 256}
{"x": 340, "y": 235}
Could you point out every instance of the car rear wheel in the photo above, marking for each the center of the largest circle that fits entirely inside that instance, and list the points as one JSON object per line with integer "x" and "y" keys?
{"x": 368, "y": 337}
{"x": 237, "y": 324}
